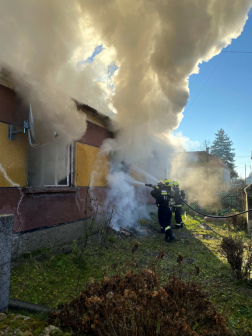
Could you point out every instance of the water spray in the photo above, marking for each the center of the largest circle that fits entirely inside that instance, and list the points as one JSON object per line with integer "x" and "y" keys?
{"x": 143, "y": 172}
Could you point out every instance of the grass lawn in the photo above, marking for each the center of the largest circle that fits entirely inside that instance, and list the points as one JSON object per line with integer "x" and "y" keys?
{"x": 61, "y": 277}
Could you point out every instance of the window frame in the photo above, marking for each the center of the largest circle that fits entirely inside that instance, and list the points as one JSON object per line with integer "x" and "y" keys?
{"x": 69, "y": 170}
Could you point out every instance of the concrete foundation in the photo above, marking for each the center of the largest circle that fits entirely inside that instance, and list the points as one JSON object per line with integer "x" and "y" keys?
{"x": 6, "y": 229}
{"x": 58, "y": 235}
{"x": 50, "y": 237}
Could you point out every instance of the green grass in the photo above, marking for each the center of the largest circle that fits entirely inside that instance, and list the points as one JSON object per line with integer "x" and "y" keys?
{"x": 60, "y": 278}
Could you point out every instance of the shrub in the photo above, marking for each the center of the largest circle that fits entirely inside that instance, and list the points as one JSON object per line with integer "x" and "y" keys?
{"x": 112, "y": 239}
{"x": 135, "y": 305}
{"x": 237, "y": 223}
{"x": 238, "y": 256}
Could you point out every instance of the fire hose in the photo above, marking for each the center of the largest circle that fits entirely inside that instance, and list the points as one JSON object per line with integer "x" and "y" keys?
{"x": 201, "y": 213}
{"x": 211, "y": 216}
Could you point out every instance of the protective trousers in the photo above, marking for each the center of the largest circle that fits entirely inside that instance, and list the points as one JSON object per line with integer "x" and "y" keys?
{"x": 164, "y": 218}
{"x": 178, "y": 217}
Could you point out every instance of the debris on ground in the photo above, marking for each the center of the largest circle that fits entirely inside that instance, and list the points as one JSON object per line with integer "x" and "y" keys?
{"x": 134, "y": 231}
{"x": 126, "y": 232}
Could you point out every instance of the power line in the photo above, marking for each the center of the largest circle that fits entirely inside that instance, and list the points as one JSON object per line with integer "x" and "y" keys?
{"x": 213, "y": 72}
{"x": 205, "y": 83}
{"x": 236, "y": 52}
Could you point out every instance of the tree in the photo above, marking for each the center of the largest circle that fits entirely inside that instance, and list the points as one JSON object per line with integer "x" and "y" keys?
{"x": 205, "y": 146}
{"x": 222, "y": 149}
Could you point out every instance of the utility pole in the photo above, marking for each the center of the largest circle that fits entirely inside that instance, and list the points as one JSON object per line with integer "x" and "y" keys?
{"x": 245, "y": 174}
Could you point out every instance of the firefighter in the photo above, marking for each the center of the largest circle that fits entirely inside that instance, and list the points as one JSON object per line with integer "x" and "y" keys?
{"x": 178, "y": 205}
{"x": 162, "y": 198}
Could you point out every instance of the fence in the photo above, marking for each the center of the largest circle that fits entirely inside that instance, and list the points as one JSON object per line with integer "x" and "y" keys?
{"x": 234, "y": 199}
{"x": 6, "y": 229}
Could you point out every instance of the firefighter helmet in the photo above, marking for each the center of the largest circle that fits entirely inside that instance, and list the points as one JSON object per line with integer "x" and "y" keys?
{"x": 168, "y": 183}
{"x": 176, "y": 184}
{"x": 160, "y": 181}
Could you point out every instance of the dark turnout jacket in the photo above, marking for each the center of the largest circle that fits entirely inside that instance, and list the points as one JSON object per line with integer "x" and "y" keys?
{"x": 156, "y": 193}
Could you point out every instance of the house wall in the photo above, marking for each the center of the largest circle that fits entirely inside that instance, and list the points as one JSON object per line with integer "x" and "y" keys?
{"x": 226, "y": 174}
{"x": 8, "y": 104}
{"x": 13, "y": 159}
{"x": 95, "y": 134}
{"x": 12, "y": 110}
{"x": 86, "y": 162}
{"x": 40, "y": 209}
{"x": 34, "y": 210}
{"x": 13, "y": 153}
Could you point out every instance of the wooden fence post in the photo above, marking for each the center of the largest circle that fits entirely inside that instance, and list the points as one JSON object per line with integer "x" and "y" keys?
{"x": 248, "y": 192}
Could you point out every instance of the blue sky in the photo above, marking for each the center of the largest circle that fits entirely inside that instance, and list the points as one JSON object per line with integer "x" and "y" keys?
{"x": 225, "y": 101}
{"x": 90, "y": 59}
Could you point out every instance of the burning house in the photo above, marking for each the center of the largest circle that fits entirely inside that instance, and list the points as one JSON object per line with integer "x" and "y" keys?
{"x": 45, "y": 187}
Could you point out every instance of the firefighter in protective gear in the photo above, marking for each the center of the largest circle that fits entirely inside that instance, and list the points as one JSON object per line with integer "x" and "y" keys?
{"x": 162, "y": 195}
{"x": 178, "y": 205}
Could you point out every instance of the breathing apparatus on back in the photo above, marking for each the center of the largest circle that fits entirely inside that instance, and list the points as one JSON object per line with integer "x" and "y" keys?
{"x": 180, "y": 193}
{"x": 163, "y": 192}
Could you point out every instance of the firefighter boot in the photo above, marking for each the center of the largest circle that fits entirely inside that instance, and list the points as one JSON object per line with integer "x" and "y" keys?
{"x": 162, "y": 230}
{"x": 178, "y": 226}
{"x": 169, "y": 239}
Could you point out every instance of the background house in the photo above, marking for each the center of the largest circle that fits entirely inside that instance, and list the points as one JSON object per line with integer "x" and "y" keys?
{"x": 201, "y": 175}
{"x": 211, "y": 164}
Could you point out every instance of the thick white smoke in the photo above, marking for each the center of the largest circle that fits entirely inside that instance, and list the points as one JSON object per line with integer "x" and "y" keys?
{"x": 45, "y": 46}
{"x": 41, "y": 45}
{"x": 158, "y": 45}
{"x": 122, "y": 199}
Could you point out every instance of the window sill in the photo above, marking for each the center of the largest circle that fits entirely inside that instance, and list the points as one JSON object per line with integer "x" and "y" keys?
{"x": 46, "y": 190}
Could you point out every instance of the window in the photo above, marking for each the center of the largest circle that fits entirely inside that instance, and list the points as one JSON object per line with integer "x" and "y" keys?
{"x": 56, "y": 165}
{"x": 50, "y": 165}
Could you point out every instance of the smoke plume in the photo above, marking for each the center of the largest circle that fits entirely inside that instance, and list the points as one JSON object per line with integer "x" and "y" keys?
{"x": 158, "y": 45}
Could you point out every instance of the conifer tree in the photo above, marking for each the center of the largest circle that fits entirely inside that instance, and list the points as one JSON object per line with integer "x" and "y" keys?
{"x": 222, "y": 149}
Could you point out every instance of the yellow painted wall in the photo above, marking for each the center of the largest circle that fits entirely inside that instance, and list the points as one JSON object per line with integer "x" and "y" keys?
{"x": 13, "y": 159}
{"x": 86, "y": 163}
